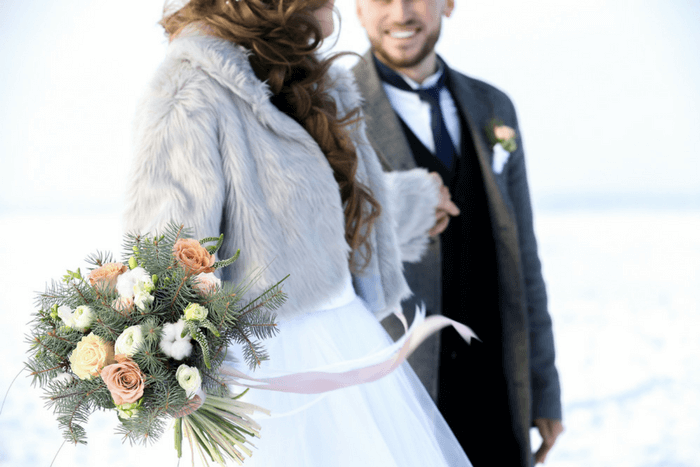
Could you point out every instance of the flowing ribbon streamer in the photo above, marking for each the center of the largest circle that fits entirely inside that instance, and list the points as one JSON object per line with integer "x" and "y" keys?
{"x": 316, "y": 382}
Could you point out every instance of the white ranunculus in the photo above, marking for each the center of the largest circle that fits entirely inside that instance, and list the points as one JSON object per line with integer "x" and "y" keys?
{"x": 172, "y": 344}
{"x": 133, "y": 280}
{"x": 127, "y": 411}
{"x": 189, "y": 379}
{"x": 194, "y": 311}
{"x": 144, "y": 286}
{"x": 142, "y": 300}
{"x": 66, "y": 314}
{"x": 129, "y": 341}
{"x": 83, "y": 317}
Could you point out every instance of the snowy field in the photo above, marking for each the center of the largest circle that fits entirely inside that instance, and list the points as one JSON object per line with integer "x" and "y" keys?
{"x": 623, "y": 291}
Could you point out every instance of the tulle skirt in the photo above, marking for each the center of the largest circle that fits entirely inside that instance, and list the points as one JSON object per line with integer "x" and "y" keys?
{"x": 389, "y": 422}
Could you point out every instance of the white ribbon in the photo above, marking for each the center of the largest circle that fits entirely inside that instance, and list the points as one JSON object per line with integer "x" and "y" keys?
{"x": 316, "y": 382}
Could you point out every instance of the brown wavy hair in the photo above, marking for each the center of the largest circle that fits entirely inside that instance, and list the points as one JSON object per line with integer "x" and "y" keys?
{"x": 284, "y": 38}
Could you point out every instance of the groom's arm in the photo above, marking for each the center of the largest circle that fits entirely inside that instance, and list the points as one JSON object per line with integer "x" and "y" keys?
{"x": 545, "y": 389}
{"x": 544, "y": 378}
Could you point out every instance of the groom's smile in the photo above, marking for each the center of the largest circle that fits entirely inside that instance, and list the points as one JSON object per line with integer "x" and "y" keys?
{"x": 403, "y": 32}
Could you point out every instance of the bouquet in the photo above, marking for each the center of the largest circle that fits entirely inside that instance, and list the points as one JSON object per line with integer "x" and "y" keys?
{"x": 145, "y": 338}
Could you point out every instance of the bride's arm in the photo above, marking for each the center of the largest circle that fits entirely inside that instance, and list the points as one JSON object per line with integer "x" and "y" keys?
{"x": 177, "y": 171}
{"x": 412, "y": 199}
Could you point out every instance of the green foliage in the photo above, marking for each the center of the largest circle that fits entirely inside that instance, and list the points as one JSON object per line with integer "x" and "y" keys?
{"x": 230, "y": 320}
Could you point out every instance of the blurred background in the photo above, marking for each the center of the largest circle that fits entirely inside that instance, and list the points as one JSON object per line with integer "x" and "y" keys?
{"x": 607, "y": 96}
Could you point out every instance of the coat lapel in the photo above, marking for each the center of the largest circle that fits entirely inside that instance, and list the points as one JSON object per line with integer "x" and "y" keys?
{"x": 383, "y": 126}
{"x": 476, "y": 112}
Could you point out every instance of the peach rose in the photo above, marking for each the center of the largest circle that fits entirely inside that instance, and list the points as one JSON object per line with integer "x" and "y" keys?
{"x": 503, "y": 132}
{"x": 107, "y": 273}
{"x": 205, "y": 284}
{"x": 193, "y": 256}
{"x": 124, "y": 380}
{"x": 91, "y": 355}
{"x": 124, "y": 305}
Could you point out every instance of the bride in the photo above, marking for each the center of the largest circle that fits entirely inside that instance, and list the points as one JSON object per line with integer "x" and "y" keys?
{"x": 245, "y": 130}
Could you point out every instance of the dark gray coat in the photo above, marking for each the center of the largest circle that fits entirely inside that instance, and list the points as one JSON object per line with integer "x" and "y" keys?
{"x": 528, "y": 346}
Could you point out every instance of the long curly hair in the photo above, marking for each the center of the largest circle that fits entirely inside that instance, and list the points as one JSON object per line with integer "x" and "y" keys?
{"x": 284, "y": 38}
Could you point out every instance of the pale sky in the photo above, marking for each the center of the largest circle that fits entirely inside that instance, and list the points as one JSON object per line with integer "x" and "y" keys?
{"x": 606, "y": 92}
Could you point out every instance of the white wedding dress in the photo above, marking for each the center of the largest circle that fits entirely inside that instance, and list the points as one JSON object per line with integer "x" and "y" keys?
{"x": 391, "y": 422}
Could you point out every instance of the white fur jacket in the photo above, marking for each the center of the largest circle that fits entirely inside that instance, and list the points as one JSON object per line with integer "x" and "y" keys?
{"x": 213, "y": 152}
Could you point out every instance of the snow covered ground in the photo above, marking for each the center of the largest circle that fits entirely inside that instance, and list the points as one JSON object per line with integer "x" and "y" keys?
{"x": 623, "y": 288}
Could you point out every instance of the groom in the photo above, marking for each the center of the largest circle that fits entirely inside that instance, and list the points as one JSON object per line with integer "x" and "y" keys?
{"x": 484, "y": 269}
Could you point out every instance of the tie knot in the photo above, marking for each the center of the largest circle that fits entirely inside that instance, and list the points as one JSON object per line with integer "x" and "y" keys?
{"x": 430, "y": 94}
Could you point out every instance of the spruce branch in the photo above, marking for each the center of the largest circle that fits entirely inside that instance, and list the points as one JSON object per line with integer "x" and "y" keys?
{"x": 227, "y": 262}
{"x": 99, "y": 258}
{"x": 272, "y": 298}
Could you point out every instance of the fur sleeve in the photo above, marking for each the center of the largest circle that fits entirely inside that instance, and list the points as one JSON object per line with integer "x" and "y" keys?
{"x": 177, "y": 171}
{"x": 412, "y": 197}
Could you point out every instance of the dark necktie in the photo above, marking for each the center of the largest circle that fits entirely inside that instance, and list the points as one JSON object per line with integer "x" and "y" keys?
{"x": 444, "y": 148}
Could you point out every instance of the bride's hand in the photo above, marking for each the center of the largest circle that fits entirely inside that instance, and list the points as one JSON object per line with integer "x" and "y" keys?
{"x": 445, "y": 208}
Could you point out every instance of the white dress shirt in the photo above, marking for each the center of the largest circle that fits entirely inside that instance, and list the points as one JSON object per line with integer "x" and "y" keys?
{"x": 416, "y": 112}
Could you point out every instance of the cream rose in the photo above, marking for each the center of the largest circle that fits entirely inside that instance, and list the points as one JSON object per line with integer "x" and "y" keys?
{"x": 91, "y": 355}
{"x": 124, "y": 380}
{"x": 193, "y": 256}
{"x": 129, "y": 341}
{"x": 107, "y": 274}
{"x": 189, "y": 379}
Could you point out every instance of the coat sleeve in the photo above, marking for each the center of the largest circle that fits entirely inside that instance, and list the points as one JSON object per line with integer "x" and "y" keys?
{"x": 544, "y": 378}
{"x": 177, "y": 171}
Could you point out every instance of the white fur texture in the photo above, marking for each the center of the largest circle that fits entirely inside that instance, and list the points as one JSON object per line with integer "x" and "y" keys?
{"x": 213, "y": 152}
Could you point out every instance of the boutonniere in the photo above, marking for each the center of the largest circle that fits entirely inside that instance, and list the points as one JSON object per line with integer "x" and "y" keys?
{"x": 502, "y": 137}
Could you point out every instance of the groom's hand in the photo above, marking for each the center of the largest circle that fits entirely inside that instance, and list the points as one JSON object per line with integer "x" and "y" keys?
{"x": 549, "y": 430}
{"x": 445, "y": 208}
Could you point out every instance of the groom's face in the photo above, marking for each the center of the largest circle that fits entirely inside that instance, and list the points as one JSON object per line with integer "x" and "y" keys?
{"x": 403, "y": 32}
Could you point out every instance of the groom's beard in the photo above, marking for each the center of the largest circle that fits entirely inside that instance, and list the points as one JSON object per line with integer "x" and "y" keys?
{"x": 409, "y": 61}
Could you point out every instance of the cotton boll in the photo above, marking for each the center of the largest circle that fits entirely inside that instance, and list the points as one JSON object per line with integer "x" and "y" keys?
{"x": 172, "y": 344}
